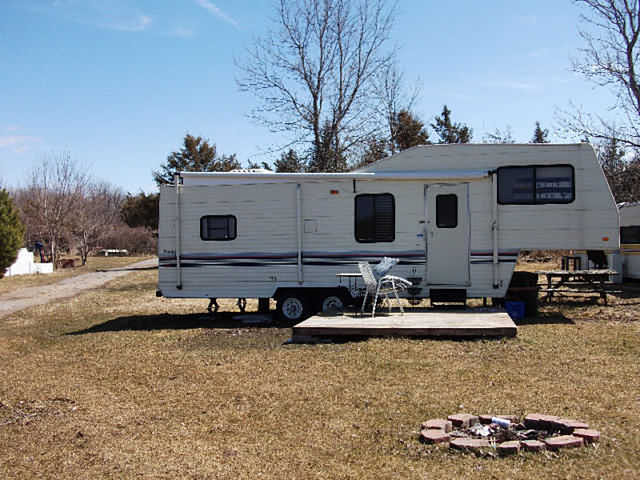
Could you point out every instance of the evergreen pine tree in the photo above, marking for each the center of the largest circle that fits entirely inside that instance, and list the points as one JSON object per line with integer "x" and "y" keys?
{"x": 141, "y": 210}
{"x": 540, "y": 135}
{"x": 289, "y": 162}
{"x": 196, "y": 155}
{"x": 408, "y": 131}
{"x": 11, "y": 232}
{"x": 450, "y": 132}
{"x": 376, "y": 149}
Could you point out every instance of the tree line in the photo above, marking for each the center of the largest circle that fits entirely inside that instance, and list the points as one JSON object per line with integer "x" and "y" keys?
{"x": 326, "y": 76}
{"x": 64, "y": 210}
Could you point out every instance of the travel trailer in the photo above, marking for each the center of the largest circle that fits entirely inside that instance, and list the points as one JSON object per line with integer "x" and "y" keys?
{"x": 456, "y": 216}
{"x": 630, "y": 239}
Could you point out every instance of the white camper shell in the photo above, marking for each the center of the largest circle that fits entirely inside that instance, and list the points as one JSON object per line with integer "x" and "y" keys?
{"x": 630, "y": 239}
{"x": 456, "y": 216}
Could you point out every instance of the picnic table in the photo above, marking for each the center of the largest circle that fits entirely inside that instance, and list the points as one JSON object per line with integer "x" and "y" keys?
{"x": 566, "y": 282}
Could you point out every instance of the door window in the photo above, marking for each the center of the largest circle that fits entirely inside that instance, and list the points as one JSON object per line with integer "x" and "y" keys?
{"x": 447, "y": 211}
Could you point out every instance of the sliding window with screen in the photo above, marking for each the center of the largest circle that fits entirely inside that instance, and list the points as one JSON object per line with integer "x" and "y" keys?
{"x": 536, "y": 185}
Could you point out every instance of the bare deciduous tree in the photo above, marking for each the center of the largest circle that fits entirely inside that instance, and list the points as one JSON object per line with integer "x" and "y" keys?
{"x": 499, "y": 136}
{"x": 393, "y": 98}
{"x": 610, "y": 59}
{"x": 622, "y": 173}
{"x": 315, "y": 73}
{"x": 97, "y": 213}
{"x": 52, "y": 199}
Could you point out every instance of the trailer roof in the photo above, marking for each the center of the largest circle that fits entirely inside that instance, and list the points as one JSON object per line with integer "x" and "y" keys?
{"x": 209, "y": 178}
{"x": 423, "y": 162}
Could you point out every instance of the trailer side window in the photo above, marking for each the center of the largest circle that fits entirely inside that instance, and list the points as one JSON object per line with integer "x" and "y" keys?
{"x": 218, "y": 227}
{"x": 447, "y": 211}
{"x": 375, "y": 218}
{"x": 630, "y": 234}
{"x": 536, "y": 185}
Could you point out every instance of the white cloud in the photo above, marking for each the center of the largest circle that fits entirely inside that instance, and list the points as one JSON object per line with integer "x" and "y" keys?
{"x": 18, "y": 143}
{"x": 119, "y": 15}
{"x": 215, "y": 10}
{"x": 137, "y": 24}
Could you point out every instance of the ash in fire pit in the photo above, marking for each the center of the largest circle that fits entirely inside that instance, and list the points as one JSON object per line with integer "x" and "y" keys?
{"x": 506, "y": 433}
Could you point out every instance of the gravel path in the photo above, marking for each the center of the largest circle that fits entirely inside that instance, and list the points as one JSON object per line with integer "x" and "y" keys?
{"x": 28, "y": 297}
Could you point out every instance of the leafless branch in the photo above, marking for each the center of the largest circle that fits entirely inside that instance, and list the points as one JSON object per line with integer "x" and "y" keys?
{"x": 609, "y": 59}
{"x": 314, "y": 73}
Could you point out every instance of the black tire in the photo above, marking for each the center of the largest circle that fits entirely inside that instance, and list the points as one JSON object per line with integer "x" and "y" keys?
{"x": 331, "y": 302}
{"x": 292, "y": 308}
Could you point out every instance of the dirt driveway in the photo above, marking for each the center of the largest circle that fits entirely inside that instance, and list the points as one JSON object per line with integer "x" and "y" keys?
{"x": 28, "y": 297}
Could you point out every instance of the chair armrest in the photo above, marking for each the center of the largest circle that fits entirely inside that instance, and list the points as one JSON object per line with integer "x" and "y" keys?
{"x": 399, "y": 281}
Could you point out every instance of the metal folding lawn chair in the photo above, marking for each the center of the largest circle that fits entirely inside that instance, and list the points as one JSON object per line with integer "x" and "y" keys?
{"x": 384, "y": 286}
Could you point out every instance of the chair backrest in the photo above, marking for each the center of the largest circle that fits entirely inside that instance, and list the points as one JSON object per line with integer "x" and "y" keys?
{"x": 382, "y": 268}
{"x": 368, "y": 277}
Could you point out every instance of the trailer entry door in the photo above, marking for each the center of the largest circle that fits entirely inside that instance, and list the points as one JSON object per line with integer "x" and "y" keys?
{"x": 447, "y": 234}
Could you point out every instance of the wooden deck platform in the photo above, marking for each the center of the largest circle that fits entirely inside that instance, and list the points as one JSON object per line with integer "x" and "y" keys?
{"x": 431, "y": 324}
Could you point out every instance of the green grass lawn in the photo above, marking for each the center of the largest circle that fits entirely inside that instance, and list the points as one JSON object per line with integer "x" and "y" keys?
{"x": 117, "y": 383}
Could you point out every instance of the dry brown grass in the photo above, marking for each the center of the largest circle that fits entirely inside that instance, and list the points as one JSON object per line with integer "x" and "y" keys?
{"x": 9, "y": 284}
{"x": 541, "y": 260}
{"x": 119, "y": 384}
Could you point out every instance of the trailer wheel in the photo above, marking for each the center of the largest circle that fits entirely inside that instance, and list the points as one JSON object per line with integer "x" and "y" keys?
{"x": 331, "y": 304}
{"x": 292, "y": 307}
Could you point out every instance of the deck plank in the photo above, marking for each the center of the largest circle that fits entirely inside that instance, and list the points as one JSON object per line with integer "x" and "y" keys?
{"x": 413, "y": 324}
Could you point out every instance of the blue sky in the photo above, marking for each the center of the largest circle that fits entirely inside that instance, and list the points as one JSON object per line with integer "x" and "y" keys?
{"x": 118, "y": 83}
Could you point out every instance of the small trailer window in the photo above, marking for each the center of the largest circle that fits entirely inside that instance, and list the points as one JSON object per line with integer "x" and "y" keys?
{"x": 447, "y": 211}
{"x": 375, "y": 218}
{"x": 218, "y": 227}
{"x": 630, "y": 234}
{"x": 536, "y": 185}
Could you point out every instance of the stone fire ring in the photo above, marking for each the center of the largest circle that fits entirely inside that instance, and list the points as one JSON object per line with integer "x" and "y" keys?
{"x": 506, "y": 433}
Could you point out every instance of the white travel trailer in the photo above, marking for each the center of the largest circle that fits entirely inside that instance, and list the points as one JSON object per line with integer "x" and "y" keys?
{"x": 456, "y": 216}
{"x": 630, "y": 239}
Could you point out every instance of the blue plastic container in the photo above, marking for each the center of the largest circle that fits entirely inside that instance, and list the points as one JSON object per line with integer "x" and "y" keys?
{"x": 515, "y": 310}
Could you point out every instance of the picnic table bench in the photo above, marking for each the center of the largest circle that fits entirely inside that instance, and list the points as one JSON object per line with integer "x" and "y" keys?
{"x": 567, "y": 282}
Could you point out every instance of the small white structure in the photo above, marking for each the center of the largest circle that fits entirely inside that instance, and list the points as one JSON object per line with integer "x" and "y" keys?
{"x": 24, "y": 265}
{"x": 457, "y": 216}
{"x": 630, "y": 239}
{"x": 118, "y": 252}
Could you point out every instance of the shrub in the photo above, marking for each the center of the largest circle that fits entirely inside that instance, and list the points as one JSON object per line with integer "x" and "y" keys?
{"x": 136, "y": 240}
